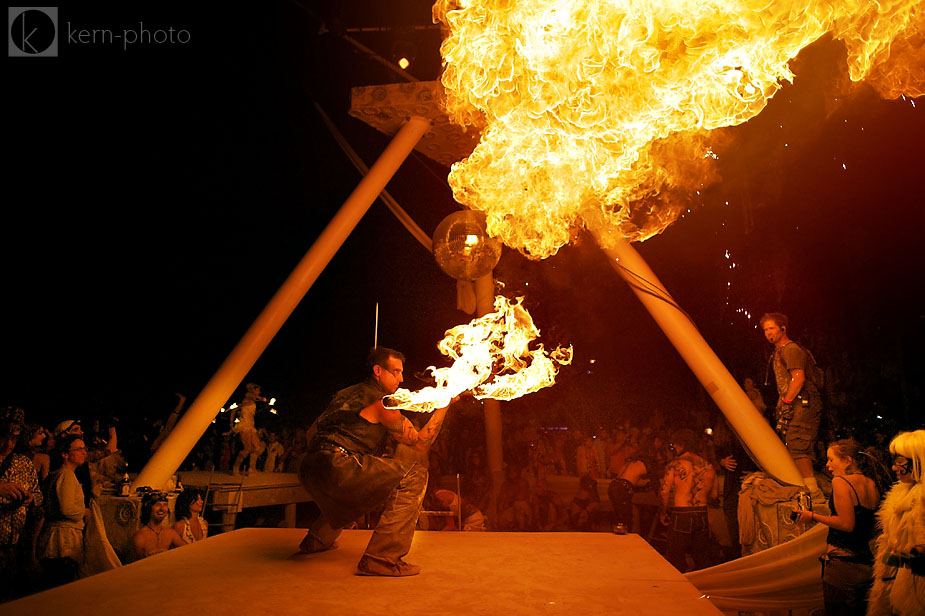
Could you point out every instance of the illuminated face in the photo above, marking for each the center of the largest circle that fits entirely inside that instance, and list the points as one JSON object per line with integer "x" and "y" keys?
{"x": 159, "y": 512}
{"x": 77, "y": 454}
{"x": 835, "y": 463}
{"x": 38, "y": 437}
{"x": 773, "y": 332}
{"x": 196, "y": 506}
{"x": 391, "y": 375}
{"x": 8, "y": 442}
{"x": 902, "y": 467}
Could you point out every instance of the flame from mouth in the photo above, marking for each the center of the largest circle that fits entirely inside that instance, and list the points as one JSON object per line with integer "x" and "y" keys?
{"x": 491, "y": 359}
{"x": 598, "y": 113}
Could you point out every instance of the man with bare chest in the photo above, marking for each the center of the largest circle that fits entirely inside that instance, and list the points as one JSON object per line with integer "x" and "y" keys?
{"x": 154, "y": 536}
{"x": 688, "y": 483}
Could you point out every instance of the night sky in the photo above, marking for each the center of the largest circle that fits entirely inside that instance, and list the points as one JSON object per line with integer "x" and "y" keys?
{"x": 157, "y": 196}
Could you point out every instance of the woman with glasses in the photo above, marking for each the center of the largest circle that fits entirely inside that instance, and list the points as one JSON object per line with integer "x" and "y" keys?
{"x": 61, "y": 543}
{"x": 899, "y": 567}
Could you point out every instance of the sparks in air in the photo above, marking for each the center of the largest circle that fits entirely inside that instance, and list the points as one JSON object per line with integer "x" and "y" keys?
{"x": 491, "y": 357}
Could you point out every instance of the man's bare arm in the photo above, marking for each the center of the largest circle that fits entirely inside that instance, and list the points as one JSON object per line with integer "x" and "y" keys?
{"x": 176, "y": 540}
{"x": 797, "y": 378}
{"x": 428, "y": 434}
{"x": 399, "y": 426}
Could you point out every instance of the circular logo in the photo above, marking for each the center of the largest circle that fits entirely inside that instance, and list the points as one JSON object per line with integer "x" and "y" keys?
{"x": 32, "y": 31}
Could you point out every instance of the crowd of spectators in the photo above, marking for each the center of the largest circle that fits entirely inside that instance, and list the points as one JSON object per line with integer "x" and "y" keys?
{"x": 50, "y": 517}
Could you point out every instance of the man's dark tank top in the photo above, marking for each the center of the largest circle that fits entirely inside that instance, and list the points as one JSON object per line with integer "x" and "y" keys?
{"x": 858, "y": 540}
{"x": 342, "y": 425}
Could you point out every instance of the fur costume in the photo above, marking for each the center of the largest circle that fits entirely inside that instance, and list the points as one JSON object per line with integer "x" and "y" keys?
{"x": 902, "y": 519}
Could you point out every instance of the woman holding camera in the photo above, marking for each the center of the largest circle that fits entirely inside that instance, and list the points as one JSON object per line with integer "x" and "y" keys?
{"x": 847, "y": 565}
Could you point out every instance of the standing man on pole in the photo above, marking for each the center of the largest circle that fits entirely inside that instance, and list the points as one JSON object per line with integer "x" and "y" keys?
{"x": 347, "y": 479}
{"x": 799, "y": 403}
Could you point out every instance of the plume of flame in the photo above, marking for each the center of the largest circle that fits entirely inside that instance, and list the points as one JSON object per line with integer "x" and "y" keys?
{"x": 491, "y": 359}
{"x": 597, "y": 113}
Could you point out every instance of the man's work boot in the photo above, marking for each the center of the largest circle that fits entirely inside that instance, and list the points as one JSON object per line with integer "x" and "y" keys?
{"x": 374, "y": 565}
{"x": 310, "y": 545}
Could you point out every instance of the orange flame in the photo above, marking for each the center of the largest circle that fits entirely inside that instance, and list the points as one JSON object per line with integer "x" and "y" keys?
{"x": 491, "y": 359}
{"x": 593, "y": 112}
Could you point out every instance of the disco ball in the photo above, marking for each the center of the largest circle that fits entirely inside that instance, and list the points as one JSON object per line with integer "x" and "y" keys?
{"x": 463, "y": 248}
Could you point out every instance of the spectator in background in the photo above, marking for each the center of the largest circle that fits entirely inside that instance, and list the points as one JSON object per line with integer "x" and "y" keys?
{"x": 70, "y": 428}
{"x": 623, "y": 449}
{"x": 168, "y": 425}
{"x": 754, "y": 395}
{"x": 603, "y": 448}
{"x": 514, "y": 501}
{"x": 61, "y": 543}
{"x": 104, "y": 460}
{"x": 688, "y": 484}
{"x": 295, "y": 451}
{"x": 586, "y": 458}
{"x": 476, "y": 480}
{"x": 446, "y": 500}
{"x": 547, "y": 458}
{"x": 31, "y": 444}
{"x": 733, "y": 464}
{"x": 847, "y": 563}
{"x": 190, "y": 525}
{"x": 275, "y": 451}
{"x": 585, "y": 504}
{"x": 20, "y": 507}
{"x": 549, "y": 512}
{"x": 621, "y": 489}
{"x": 899, "y": 564}
{"x": 154, "y": 536}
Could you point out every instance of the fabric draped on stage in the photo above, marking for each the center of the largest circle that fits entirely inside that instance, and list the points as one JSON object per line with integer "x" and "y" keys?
{"x": 784, "y": 577}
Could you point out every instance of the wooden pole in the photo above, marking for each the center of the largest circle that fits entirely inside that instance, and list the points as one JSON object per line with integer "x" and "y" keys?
{"x": 485, "y": 303}
{"x": 196, "y": 420}
{"x": 768, "y": 450}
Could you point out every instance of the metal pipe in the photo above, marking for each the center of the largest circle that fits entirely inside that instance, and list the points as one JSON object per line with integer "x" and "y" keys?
{"x": 181, "y": 440}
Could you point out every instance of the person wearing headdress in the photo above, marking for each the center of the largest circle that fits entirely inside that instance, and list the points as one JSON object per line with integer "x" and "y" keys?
{"x": 899, "y": 563}
{"x": 61, "y": 543}
{"x": 153, "y": 536}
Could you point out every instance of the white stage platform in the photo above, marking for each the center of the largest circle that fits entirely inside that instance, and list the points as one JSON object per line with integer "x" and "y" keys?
{"x": 256, "y": 571}
{"x": 233, "y": 493}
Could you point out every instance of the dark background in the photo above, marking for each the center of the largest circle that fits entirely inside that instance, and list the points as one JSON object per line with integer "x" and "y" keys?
{"x": 156, "y": 197}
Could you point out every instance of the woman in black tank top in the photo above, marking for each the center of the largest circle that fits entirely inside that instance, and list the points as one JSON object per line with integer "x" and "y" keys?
{"x": 847, "y": 565}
